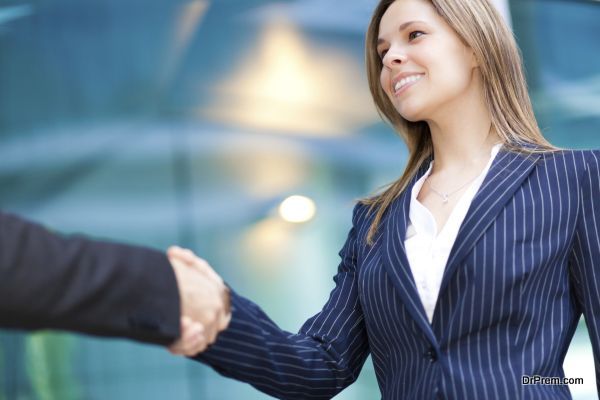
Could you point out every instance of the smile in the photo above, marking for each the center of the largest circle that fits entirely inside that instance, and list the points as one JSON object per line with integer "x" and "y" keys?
{"x": 404, "y": 83}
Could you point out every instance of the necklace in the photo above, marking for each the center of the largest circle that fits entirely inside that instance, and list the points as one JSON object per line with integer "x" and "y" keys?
{"x": 446, "y": 195}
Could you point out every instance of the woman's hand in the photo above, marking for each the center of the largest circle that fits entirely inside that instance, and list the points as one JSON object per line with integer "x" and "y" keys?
{"x": 200, "y": 331}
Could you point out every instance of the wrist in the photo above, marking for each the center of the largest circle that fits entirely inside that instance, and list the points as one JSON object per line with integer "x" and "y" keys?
{"x": 226, "y": 299}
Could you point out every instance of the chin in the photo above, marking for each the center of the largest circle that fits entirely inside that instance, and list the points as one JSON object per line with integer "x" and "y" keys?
{"x": 411, "y": 113}
{"x": 411, "y": 118}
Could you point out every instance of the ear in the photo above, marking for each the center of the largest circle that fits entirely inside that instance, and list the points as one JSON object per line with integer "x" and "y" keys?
{"x": 473, "y": 59}
{"x": 470, "y": 55}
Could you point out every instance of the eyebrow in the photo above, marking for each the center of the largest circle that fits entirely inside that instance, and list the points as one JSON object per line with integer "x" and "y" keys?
{"x": 400, "y": 29}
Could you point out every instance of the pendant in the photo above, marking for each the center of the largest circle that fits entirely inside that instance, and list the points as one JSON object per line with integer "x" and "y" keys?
{"x": 444, "y": 198}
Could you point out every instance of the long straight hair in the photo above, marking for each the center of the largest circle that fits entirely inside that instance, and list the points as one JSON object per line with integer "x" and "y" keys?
{"x": 483, "y": 29}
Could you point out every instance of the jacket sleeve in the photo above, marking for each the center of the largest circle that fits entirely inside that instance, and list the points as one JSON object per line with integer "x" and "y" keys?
{"x": 48, "y": 281}
{"x": 325, "y": 356}
{"x": 585, "y": 257}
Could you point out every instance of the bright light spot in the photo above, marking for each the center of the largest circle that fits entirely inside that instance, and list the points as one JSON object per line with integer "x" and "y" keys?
{"x": 297, "y": 209}
{"x": 289, "y": 85}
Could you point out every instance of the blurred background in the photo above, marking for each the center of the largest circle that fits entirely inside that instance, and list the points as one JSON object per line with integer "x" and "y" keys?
{"x": 200, "y": 123}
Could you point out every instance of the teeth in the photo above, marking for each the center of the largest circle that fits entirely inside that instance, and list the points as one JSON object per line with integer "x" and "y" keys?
{"x": 404, "y": 81}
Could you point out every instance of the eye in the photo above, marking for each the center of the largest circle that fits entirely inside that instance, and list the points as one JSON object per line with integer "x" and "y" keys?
{"x": 415, "y": 34}
{"x": 382, "y": 54}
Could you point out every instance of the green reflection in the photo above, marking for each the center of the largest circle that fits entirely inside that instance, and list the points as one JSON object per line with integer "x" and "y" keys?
{"x": 49, "y": 365}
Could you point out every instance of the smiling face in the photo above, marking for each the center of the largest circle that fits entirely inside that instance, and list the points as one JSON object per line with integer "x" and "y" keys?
{"x": 426, "y": 66}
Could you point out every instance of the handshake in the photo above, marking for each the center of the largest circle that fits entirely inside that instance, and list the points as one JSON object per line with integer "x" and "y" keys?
{"x": 205, "y": 302}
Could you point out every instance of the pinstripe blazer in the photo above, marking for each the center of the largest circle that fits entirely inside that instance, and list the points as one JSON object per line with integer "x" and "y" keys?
{"x": 523, "y": 268}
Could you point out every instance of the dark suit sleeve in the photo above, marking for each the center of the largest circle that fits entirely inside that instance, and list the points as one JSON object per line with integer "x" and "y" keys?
{"x": 48, "y": 281}
{"x": 585, "y": 258}
{"x": 325, "y": 356}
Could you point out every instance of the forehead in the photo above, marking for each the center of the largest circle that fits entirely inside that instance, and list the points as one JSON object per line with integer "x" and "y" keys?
{"x": 403, "y": 11}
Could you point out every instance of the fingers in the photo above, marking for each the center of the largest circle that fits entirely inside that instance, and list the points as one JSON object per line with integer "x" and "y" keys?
{"x": 191, "y": 259}
{"x": 205, "y": 302}
{"x": 192, "y": 341}
{"x": 184, "y": 255}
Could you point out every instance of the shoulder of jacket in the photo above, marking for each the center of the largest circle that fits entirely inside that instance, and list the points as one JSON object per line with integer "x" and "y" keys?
{"x": 359, "y": 213}
{"x": 580, "y": 158}
{"x": 592, "y": 155}
{"x": 589, "y": 158}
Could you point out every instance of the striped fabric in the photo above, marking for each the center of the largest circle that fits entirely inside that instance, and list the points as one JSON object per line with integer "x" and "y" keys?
{"x": 427, "y": 247}
{"x": 523, "y": 268}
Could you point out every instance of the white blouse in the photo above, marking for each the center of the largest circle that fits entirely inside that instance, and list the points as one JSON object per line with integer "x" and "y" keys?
{"x": 428, "y": 251}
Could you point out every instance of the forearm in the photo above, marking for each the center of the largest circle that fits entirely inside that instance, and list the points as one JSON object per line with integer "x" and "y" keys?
{"x": 285, "y": 365}
{"x": 77, "y": 284}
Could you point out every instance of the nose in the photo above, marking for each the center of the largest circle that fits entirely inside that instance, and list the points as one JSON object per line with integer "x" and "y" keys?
{"x": 393, "y": 58}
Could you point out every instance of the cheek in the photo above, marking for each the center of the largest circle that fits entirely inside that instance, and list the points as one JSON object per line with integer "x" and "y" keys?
{"x": 384, "y": 80}
{"x": 454, "y": 75}
{"x": 456, "y": 83}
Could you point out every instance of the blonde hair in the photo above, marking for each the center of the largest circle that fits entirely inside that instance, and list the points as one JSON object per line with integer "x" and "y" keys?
{"x": 483, "y": 29}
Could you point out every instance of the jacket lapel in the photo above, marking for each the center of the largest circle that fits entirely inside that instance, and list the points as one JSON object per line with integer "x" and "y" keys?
{"x": 394, "y": 256}
{"x": 505, "y": 176}
{"x": 507, "y": 172}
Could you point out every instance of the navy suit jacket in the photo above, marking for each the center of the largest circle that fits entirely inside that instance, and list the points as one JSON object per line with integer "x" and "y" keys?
{"x": 524, "y": 267}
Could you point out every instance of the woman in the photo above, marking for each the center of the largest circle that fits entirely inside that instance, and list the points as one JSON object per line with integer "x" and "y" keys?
{"x": 472, "y": 270}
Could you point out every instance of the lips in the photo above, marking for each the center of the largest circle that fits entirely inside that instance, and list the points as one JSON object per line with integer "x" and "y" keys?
{"x": 404, "y": 80}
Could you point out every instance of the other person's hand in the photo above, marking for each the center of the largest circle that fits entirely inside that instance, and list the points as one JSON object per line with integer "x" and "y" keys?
{"x": 205, "y": 304}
